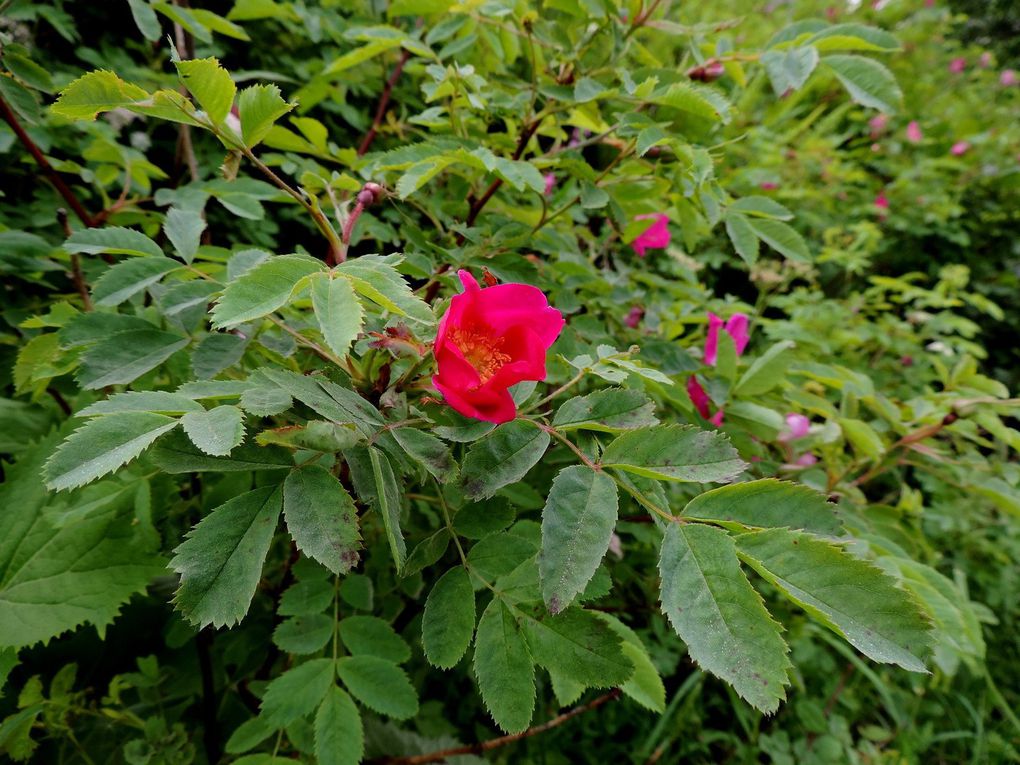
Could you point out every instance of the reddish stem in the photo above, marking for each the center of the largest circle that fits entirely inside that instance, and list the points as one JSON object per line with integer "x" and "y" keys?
{"x": 384, "y": 101}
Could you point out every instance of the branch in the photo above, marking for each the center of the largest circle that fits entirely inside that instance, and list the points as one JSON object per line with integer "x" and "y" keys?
{"x": 384, "y": 101}
{"x": 65, "y": 191}
{"x": 495, "y": 743}
{"x": 522, "y": 142}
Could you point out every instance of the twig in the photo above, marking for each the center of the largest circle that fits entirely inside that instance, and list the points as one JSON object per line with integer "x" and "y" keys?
{"x": 62, "y": 188}
{"x": 185, "y": 146}
{"x": 384, "y": 101}
{"x": 522, "y": 142}
{"x": 76, "y": 273}
{"x": 210, "y": 728}
{"x": 495, "y": 743}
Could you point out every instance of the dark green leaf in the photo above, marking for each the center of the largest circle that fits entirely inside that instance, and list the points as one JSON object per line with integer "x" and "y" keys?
{"x": 321, "y": 518}
{"x": 502, "y": 457}
{"x": 448, "y": 623}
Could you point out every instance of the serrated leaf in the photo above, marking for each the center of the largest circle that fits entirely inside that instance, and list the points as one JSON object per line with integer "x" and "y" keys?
{"x": 248, "y": 735}
{"x": 359, "y": 55}
{"x": 339, "y": 738}
{"x": 306, "y": 597}
{"x": 645, "y": 685}
{"x": 265, "y": 288}
{"x": 377, "y": 280}
{"x": 371, "y": 636}
{"x": 376, "y": 484}
{"x": 766, "y": 503}
{"x": 304, "y": 634}
{"x": 176, "y": 454}
{"x": 428, "y": 451}
{"x": 766, "y": 372}
{"x": 321, "y": 518}
{"x": 103, "y": 445}
{"x": 95, "y": 92}
{"x": 448, "y": 623}
{"x": 297, "y": 692}
{"x": 337, "y": 310}
{"x": 158, "y": 401}
{"x": 380, "y": 685}
{"x": 114, "y": 240}
{"x": 781, "y": 238}
{"x": 220, "y": 561}
{"x": 762, "y": 207}
{"x": 504, "y": 669}
{"x": 720, "y": 617}
{"x": 210, "y": 84}
{"x": 259, "y": 107}
{"x": 215, "y": 431}
{"x": 789, "y": 69}
{"x": 216, "y": 352}
{"x": 850, "y": 596}
{"x": 502, "y": 457}
{"x": 500, "y": 554}
{"x": 577, "y": 523}
{"x": 609, "y": 411}
{"x": 853, "y": 37}
{"x": 579, "y": 645}
{"x": 742, "y": 235}
{"x": 128, "y": 278}
{"x": 265, "y": 401}
{"x": 868, "y": 82}
{"x": 54, "y": 579}
{"x": 700, "y": 101}
{"x": 420, "y": 173}
{"x": 675, "y": 453}
{"x": 124, "y": 357}
{"x": 329, "y": 400}
{"x": 184, "y": 230}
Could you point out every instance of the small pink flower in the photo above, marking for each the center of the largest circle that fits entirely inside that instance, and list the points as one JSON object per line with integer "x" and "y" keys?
{"x": 1008, "y": 78}
{"x": 654, "y": 237}
{"x": 699, "y": 398}
{"x": 882, "y": 201}
{"x": 735, "y": 327}
{"x": 929, "y": 3}
{"x": 768, "y": 186}
{"x": 717, "y": 419}
{"x": 986, "y": 60}
{"x": 634, "y": 317}
{"x": 878, "y": 124}
{"x": 960, "y": 148}
{"x": 914, "y": 134}
{"x": 958, "y": 65}
{"x": 806, "y": 460}
{"x": 797, "y": 426}
{"x": 550, "y": 183}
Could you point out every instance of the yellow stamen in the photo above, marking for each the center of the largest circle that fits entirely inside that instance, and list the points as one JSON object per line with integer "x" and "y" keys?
{"x": 481, "y": 350}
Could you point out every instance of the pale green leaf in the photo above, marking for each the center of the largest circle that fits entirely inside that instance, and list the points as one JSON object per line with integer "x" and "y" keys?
{"x": 259, "y": 107}
{"x": 853, "y": 37}
{"x": 781, "y": 238}
{"x": 867, "y": 81}
{"x": 360, "y": 55}
{"x": 160, "y": 402}
{"x": 145, "y": 19}
{"x": 265, "y": 288}
{"x": 337, "y": 310}
{"x": 700, "y": 101}
{"x": 124, "y": 357}
{"x": 502, "y": 457}
{"x": 766, "y": 372}
{"x": 645, "y": 685}
{"x": 742, "y": 235}
{"x": 377, "y": 279}
{"x": 766, "y": 503}
{"x": 610, "y": 410}
{"x": 95, "y": 92}
{"x": 210, "y": 84}
{"x": 297, "y": 692}
{"x": 215, "y": 431}
{"x": 675, "y": 453}
{"x": 321, "y": 518}
{"x": 789, "y": 69}
{"x": 184, "y": 230}
{"x": 115, "y": 240}
{"x": 863, "y": 437}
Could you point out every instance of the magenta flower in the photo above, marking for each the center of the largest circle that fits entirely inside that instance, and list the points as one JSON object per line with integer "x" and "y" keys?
{"x": 958, "y": 65}
{"x": 960, "y": 148}
{"x": 878, "y": 124}
{"x": 735, "y": 327}
{"x": 914, "y": 134}
{"x": 768, "y": 186}
{"x": 699, "y": 398}
{"x": 654, "y": 237}
{"x": 550, "y": 183}
{"x": 1008, "y": 78}
{"x": 882, "y": 201}
{"x": 797, "y": 426}
{"x": 634, "y": 317}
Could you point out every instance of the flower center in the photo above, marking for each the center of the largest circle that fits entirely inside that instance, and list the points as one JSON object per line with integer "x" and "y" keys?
{"x": 482, "y": 351}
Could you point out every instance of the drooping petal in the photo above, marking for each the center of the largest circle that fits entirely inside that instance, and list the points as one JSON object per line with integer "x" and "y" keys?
{"x": 736, "y": 327}
{"x": 712, "y": 339}
{"x": 655, "y": 236}
{"x": 699, "y": 398}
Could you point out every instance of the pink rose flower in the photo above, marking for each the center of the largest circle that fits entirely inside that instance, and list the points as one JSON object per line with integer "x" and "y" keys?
{"x": 960, "y": 148}
{"x": 1008, "y": 78}
{"x": 634, "y": 317}
{"x": 806, "y": 460}
{"x": 797, "y": 426}
{"x": 882, "y": 201}
{"x": 958, "y": 65}
{"x": 488, "y": 340}
{"x": 550, "y": 183}
{"x": 654, "y": 237}
{"x": 735, "y": 327}
{"x": 914, "y": 134}
{"x": 768, "y": 186}
{"x": 878, "y": 124}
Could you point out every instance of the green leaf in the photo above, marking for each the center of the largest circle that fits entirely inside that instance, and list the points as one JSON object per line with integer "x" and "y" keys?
{"x": 92, "y": 93}
{"x": 767, "y": 371}
{"x": 645, "y": 685}
{"x": 428, "y": 451}
{"x": 321, "y": 518}
{"x": 766, "y": 503}
{"x": 128, "y": 278}
{"x": 742, "y": 235}
{"x": 215, "y": 431}
{"x": 265, "y": 401}
{"x": 306, "y": 598}
{"x": 380, "y": 685}
{"x": 500, "y": 554}
{"x": 608, "y": 411}
{"x": 297, "y": 692}
{"x": 259, "y": 107}
{"x": 158, "y": 401}
{"x": 248, "y": 735}
{"x": 335, "y": 403}
{"x": 103, "y": 445}
{"x": 577, "y": 522}
{"x": 114, "y": 240}
{"x": 338, "y": 311}
{"x": 210, "y": 84}
{"x": 580, "y": 646}
{"x": 220, "y": 561}
{"x": 54, "y": 579}
{"x": 265, "y": 288}
{"x": 504, "y": 669}
{"x": 781, "y": 238}
{"x": 863, "y": 437}
{"x": 420, "y": 173}
{"x": 371, "y": 636}
{"x": 502, "y": 457}
{"x": 304, "y": 634}
{"x": 789, "y": 69}
{"x": 868, "y": 82}
{"x": 176, "y": 454}
{"x": 339, "y": 738}
{"x": 720, "y": 617}
{"x": 217, "y": 351}
{"x": 448, "y": 622}
{"x": 762, "y": 207}
{"x": 675, "y": 453}
{"x": 218, "y": 24}
{"x": 360, "y": 55}
{"x": 145, "y": 19}
{"x": 124, "y": 357}
{"x": 184, "y": 230}
{"x": 376, "y": 279}
{"x": 850, "y": 596}
{"x": 853, "y": 37}
{"x": 376, "y": 484}
{"x": 699, "y": 101}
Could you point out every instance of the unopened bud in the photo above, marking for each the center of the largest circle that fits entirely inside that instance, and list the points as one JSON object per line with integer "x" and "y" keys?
{"x": 370, "y": 194}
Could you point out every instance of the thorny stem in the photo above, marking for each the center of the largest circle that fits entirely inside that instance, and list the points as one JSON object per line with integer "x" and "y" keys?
{"x": 494, "y": 743}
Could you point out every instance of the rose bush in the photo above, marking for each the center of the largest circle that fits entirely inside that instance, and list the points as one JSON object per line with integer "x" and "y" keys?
{"x": 718, "y": 465}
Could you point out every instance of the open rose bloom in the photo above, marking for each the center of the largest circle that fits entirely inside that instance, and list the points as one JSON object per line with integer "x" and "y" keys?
{"x": 654, "y": 237}
{"x": 491, "y": 339}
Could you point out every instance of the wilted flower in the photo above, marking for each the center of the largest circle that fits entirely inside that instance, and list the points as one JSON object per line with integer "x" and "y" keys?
{"x": 488, "y": 340}
{"x": 914, "y": 134}
{"x": 653, "y": 237}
